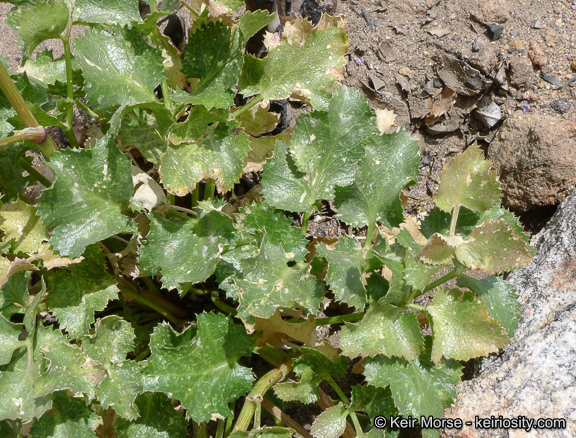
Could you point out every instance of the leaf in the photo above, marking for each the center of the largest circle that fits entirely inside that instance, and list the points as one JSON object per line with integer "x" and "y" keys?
{"x": 391, "y": 162}
{"x": 498, "y": 212}
{"x": 283, "y": 186}
{"x": 462, "y": 328}
{"x": 20, "y": 224}
{"x": 438, "y": 221}
{"x": 312, "y": 367}
{"x": 190, "y": 249}
{"x": 499, "y": 297}
{"x": 468, "y": 182}
{"x": 325, "y": 148}
{"x": 308, "y": 71}
{"x": 263, "y": 222}
{"x": 269, "y": 283}
{"x": 158, "y": 419}
{"x": 374, "y": 401}
{"x": 111, "y": 12}
{"x": 217, "y": 156}
{"x": 383, "y": 330}
{"x": 328, "y": 144}
{"x": 42, "y": 22}
{"x": 203, "y": 373}
{"x": 196, "y": 125}
{"x": 46, "y": 68}
{"x": 11, "y": 179}
{"x": 119, "y": 69}
{"x": 214, "y": 56}
{"x": 493, "y": 247}
{"x": 331, "y": 423}
{"x": 70, "y": 418}
{"x": 145, "y": 128}
{"x": 17, "y": 382}
{"x": 112, "y": 341}
{"x": 9, "y": 342}
{"x": 419, "y": 387}
{"x": 251, "y": 22}
{"x": 86, "y": 201}
{"x": 76, "y": 294}
{"x": 418, "y": 275}
{"x": 14, "y": 297}
{"x": 346, "y": 265}
{"x": 63, "y": 364}
{"x": 437, "y": 252}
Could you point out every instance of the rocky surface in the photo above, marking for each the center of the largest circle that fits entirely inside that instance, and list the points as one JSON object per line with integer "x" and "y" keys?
{"x": 535, "y": 157}
{"x": 535, "y": 376}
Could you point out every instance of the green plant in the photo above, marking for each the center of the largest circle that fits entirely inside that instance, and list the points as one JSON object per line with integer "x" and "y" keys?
{"x": 94, "y": 336}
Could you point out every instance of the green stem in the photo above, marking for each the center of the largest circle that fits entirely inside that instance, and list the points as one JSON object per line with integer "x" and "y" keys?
{"x": 222, "y": 305}
{"x": 336, "y": 388}
{"x": 195, "y": 196}
{"x": 449, "y": 276}
{"x": 260, "y": 388}
{"x": 142, "y": 355}
{"x": 69, "y": 91}
{"x": 455, "y": 212}
{"x": 7, "y": 188}
{"x": 166, "y": 96}
{"x": 149, "y": 302}
{"x": 209, "y": 189}
{"x": 200, "y": 429}
{"x": 305, "y": 219}
{"x": 151, "y": 286}
{"x": 174, "y": 213}
{"x": 220, "y": 427}
{"x": 48, "y": 147}
{"x": 346, "y": 402}
{"x": 192, "y": 10}
{"x": 230, "y": 421}
{"x": 416, "y": 307}
{"x": 32, "y": 171}
{"x": 369, "y": 233}
{"x": 242, "y": 110}
{"x": 86, "y": 109}
{"x": 184, "y": 210}
{"x": 9, "y": 140}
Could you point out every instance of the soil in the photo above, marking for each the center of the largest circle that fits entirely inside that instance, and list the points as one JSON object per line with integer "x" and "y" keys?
{"x": 438, "y": 65}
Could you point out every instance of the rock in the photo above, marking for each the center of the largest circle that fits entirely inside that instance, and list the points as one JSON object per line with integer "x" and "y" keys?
{"x": 535, "y": 376}
{"x": 488, "y": 112}
{"x": 520, "y": 71}
{"x": 491, "y": 11}
{"x": 562, "y": 105}
{"x": 537, "y": 55}
{"x": 535, "y": 157}
{"x": 480, "y": 43}
{"x": 495, "y": 32}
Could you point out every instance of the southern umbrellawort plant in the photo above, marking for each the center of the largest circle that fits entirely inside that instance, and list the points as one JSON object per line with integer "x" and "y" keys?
{"x": 106, "y": 245}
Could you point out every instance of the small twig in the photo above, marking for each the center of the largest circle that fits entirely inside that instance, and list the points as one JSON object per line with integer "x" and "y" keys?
{"x": 368, "y": 19}
{"x": 284, "y": 418}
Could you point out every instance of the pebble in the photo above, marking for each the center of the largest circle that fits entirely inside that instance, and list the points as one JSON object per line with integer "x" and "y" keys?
{"x": 561, "y": 105}
{"x": 480, "y": 43}
{"x": 550, "y": 79}
{"x": 537, "y": 55}
{"x": 495, "y": 31}
{"x": 520, "y": 70}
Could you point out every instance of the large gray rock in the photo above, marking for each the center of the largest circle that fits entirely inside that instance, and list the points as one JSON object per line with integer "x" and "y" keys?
{"x": 535, "y": 376}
